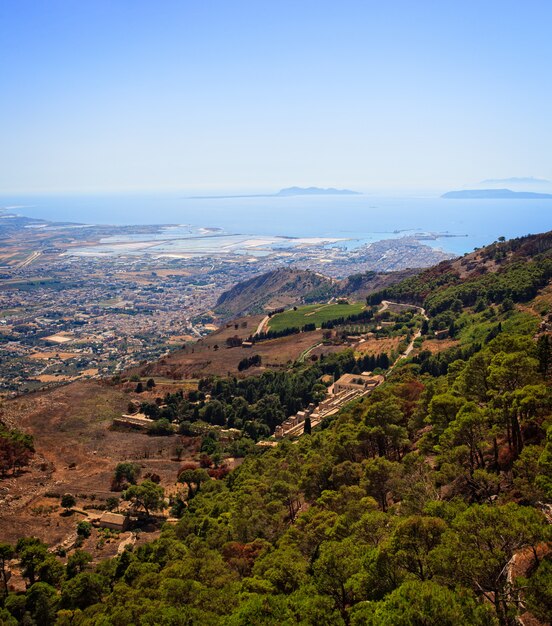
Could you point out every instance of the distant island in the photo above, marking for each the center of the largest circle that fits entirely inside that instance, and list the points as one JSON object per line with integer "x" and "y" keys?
{"x": 316, "y": 191}
{"x": 495, "y": 194}
{"x": 520, "y": 180}
{"x": 289, "y": 191}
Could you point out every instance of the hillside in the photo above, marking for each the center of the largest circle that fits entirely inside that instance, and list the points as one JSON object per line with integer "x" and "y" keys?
{"x": 513, "y": 269}
{"x": 358, "y": 286}
{"x": 287, "y": 287}
{"x": 275, "y": 289}
{"x": 425, "y": 500}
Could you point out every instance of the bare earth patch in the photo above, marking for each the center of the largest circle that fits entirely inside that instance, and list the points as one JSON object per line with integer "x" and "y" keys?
{"x": 76, "y": 452}
{"x": 378, "y": 346}
{"x": 438, "y": 345}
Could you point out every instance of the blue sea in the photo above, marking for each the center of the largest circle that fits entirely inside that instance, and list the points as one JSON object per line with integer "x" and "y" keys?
{"x": 360, "y": 219}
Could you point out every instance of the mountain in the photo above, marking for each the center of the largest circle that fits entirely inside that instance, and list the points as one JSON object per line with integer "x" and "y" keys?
{"x": 358, "y": 286}
{"x": 495, "y": 194}
{"x": 287, "y": 287}
{"x": 272, "y": 290}
{"x": 316, "y": 191}
{"x": 426, "y": 499}
{"x": 515, "y": 269}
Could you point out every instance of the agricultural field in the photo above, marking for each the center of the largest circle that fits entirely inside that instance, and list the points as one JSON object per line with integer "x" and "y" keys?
{"x": 313, "y": 314}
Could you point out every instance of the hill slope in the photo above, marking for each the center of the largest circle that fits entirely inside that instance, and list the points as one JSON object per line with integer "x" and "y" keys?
{"x": 287, "y": 287}
{"x": 425, "y": 501}
{"x": 275, "y": 289}
{"x": 513, "y": 269}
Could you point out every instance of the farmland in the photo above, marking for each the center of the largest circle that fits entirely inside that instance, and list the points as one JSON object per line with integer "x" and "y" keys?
{"x": 313, "y": 314}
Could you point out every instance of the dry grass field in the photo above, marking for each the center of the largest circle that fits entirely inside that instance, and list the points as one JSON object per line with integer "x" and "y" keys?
{"x": 438, "y": 345}
{"x": 76, "y": 452}
{"x": 212, "y": 356}
{"x": 378, "y": 346}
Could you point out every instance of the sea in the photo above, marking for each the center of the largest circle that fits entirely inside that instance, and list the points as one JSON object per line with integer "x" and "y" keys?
{"x": 458, "y": 226}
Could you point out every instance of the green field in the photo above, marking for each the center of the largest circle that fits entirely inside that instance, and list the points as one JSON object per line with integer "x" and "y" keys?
{"x": 313, "y": 314}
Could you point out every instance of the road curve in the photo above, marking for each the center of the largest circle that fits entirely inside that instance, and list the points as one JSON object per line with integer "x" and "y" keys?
{"x": 418, "y": 333}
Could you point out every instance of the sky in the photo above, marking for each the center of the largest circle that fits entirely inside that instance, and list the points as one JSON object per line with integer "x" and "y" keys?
{"x": 129, "y": 95}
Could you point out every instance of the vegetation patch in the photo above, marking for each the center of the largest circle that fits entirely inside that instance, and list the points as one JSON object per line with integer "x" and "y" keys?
{"x": 313, "y": 314}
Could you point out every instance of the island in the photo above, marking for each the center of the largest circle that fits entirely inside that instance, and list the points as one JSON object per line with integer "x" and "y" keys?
{"x": 316, "y": 191}
{"x": 495, "y": 194}
{"x": 287, "y": 192}
{"x": 516, "y": 180}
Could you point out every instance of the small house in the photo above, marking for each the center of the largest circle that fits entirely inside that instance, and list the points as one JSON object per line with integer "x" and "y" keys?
{"x": 115, "y": 521}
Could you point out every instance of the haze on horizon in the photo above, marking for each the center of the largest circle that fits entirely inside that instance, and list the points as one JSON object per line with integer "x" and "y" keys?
{"x": 110, "y": 96}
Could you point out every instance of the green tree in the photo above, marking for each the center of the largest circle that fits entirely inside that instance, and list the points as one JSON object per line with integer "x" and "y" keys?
{"x": 477, "y": 550}
{"x": 147, "y": 495}
{"x": 84, "y": 529}
{"x": 284, "y": 568}
{"x": 525, "y": 472}
{"x": 538, "y": 591}
{"x": 544, "y": 355}
{"x": 337, "y": 563}
{"x": 7, "y": 619}
{"x": 112, "y": 503}
{"x": 380, "y": 476}
{"x": 544, "y": 476}
{"x": 7, "y": 553}
{"x": 473, "y": 380}
{"x": 385, "y": 422}
{"x": 422, "y": 603}
{"x": 269, "y": 409}
{"x": 193, "y": 479}
{"x": 16, "y": 604}
{"x": 128, "y": 472}
{"x": 412, "y": 542}
{"x": 76, "y": 563}
{"x": 443, "y": 408}
{"x": 82, "y": 590}
{"x": 42, "y": 602}
{"x": 468, "y": 429}
{"x": 68, "y": 501}
{"x": 37, "y": 564}
{"x": 160, "y": 427}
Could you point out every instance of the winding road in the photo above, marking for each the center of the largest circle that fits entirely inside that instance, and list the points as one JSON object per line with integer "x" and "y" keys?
{"x": 410, "y": 347}
{"x": 262, "y": 325}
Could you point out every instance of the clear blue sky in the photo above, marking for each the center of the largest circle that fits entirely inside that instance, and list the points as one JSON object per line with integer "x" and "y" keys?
{"x": 128, "y": 94}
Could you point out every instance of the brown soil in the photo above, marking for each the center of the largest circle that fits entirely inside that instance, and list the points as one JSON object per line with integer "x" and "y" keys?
{"x": 203, "y": 359}
{"x": 438, "y": 345}
{"x": 76, "y": 452}
{"x": 378, "y": 346}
